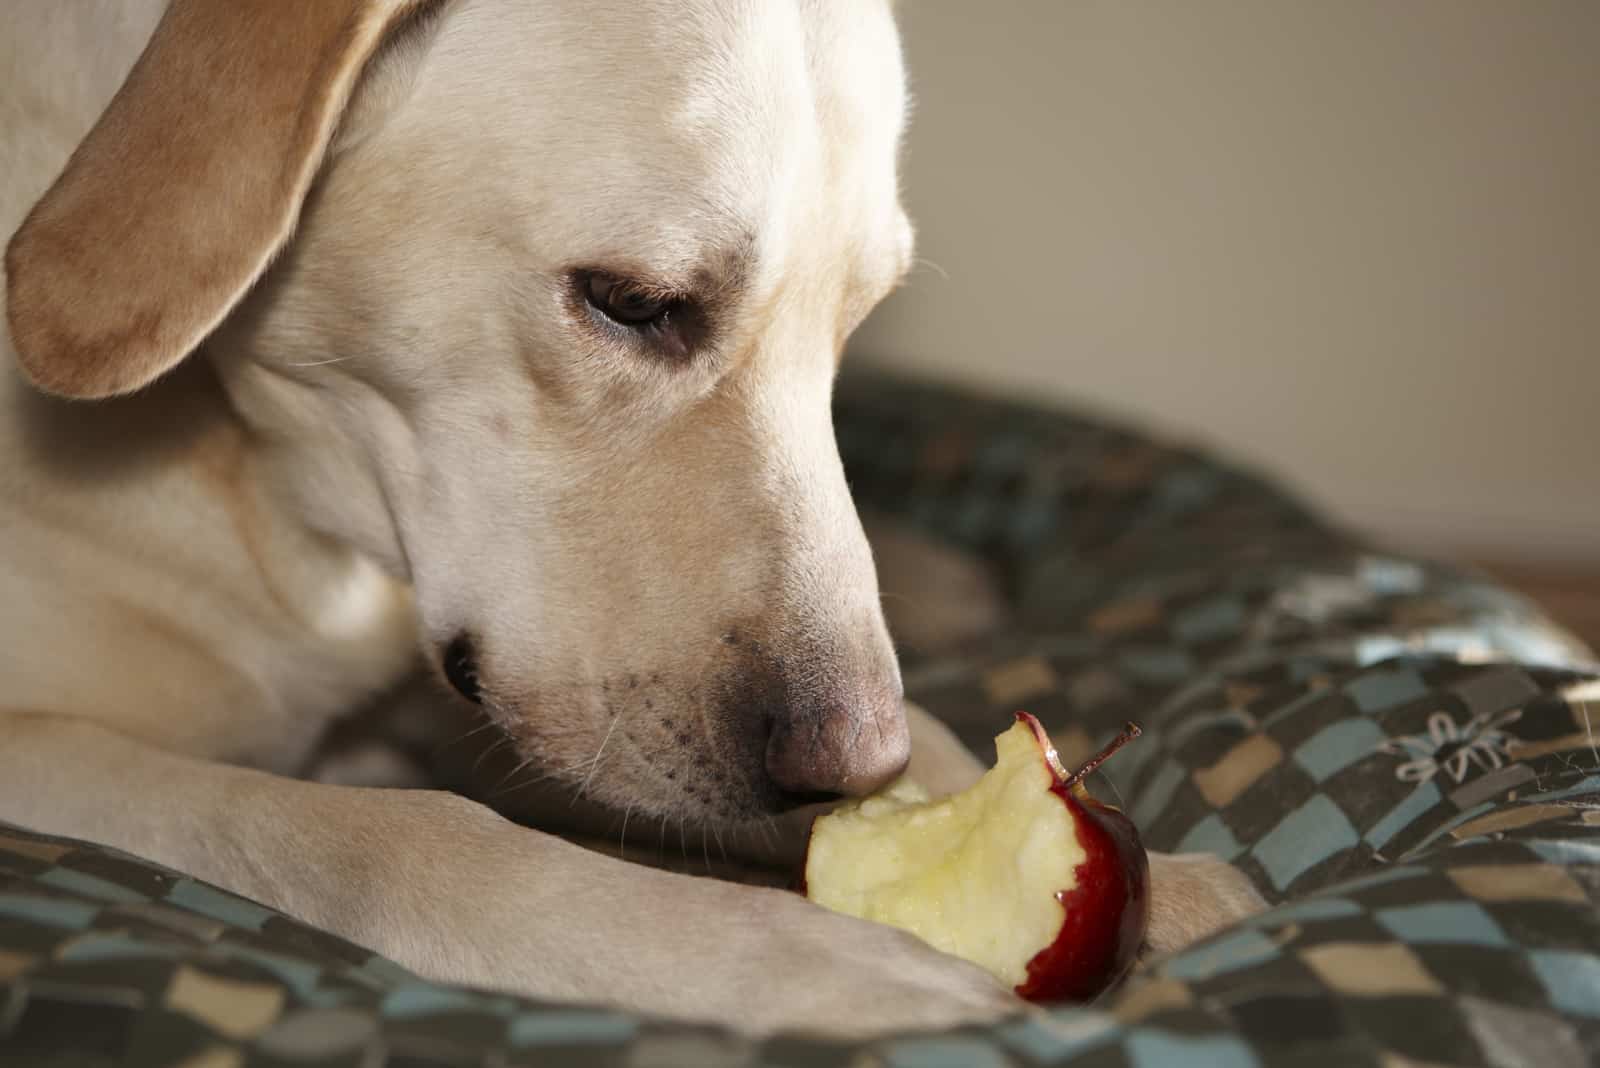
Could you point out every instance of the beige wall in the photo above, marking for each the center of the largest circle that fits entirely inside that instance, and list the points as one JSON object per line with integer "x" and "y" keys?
{"x": 1355, "y": 240}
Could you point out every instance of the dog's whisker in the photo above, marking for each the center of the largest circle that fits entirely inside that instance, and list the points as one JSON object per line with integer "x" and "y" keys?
{"x": 478, "y": 763}
{"x": 720, "y": 847}
{"x": 526, "y": 784}
{"x": 480, "y": 728}
{"x": 556, "y": 772}
{"x": 589, "y": 763}
{"x": 551, "y": 774}
{"x": 502, "y": 788}
{"x": 595, "y": 764}
{"x": 622, "y": 840}
{"x": 319, "y": 363}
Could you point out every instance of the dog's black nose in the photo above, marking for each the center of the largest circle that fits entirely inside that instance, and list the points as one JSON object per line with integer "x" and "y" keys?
{"x": 461, "y": 668}
{"x": 838, "y": 745}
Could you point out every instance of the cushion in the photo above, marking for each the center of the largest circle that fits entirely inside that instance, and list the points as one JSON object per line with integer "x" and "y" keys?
{"x": 1398, "y": 753}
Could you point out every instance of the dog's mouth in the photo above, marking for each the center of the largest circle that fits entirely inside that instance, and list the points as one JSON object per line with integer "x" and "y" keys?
{"x": 740, "y": 729}
{"x": 659, "y": 748}
{"x": 651, "y": 745}
{"x": 660, "y": 816}
{"x": 640, "y": 744}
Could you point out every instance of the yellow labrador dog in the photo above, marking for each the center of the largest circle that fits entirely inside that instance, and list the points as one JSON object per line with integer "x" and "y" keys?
{"x": 499, "y": 329}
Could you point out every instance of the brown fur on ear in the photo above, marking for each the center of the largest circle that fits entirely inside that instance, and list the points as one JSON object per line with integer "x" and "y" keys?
{"x": 191, "y": 181}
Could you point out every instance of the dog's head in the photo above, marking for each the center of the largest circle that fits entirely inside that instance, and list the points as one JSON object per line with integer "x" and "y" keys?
{"x": 554, "y": 338}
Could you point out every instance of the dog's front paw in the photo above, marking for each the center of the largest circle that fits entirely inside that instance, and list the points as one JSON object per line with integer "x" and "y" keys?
{"x": 879, "y": 980}
{"x": 829, "y": 974}
{"x": 1193, "y": 895}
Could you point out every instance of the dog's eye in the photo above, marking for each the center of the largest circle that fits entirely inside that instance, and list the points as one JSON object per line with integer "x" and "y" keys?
{"x": 627, "y": 303}
{"x": 656, "y": 320}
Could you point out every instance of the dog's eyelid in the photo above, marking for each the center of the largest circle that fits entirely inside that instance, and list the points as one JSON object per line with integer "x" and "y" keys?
{"x": 670, "y": 323}
{"x": 666, "y": 293}
{"x": 640, "y": 283}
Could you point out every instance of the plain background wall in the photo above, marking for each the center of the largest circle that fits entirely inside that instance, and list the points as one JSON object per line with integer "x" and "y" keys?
{"x": 1356, "y": 241}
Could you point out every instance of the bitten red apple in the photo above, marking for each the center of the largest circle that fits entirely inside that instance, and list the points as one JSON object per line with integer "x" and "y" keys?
{"x": 1024, "y": 874}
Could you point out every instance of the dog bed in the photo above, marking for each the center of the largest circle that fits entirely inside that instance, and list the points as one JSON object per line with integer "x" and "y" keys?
{"x": 1398, "y": 754}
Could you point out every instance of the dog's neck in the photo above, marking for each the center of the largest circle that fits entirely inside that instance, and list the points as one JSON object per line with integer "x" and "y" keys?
{"x": 325, "y": 623}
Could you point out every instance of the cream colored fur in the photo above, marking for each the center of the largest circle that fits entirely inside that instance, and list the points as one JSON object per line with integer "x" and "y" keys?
{"x": 407, "y": 428}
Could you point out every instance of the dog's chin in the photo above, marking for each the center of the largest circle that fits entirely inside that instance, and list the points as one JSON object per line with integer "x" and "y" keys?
{"x": 695, "y": 814}
{"x": 747, "y": 832}
{"x": 705, "y": 798}
{"x": 735, "y": 837}
{"x": 659, "y": 744}
{"x": 522, "y": 779}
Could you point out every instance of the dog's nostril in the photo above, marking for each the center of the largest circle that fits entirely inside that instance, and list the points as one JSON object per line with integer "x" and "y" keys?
{"x": 461, "y": 668}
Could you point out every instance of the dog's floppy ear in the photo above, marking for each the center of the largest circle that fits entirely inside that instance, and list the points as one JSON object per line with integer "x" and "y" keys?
{"x": 185, "y": 189}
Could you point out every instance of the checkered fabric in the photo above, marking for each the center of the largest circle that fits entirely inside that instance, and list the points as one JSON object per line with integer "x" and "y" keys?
{"x": 1398, "y": 754}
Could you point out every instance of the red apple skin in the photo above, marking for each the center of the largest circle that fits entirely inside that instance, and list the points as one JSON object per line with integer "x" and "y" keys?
{"x": 1107, "y": 912}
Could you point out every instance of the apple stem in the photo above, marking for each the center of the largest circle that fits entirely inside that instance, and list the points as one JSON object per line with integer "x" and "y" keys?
{"x": 1130, "y": 731}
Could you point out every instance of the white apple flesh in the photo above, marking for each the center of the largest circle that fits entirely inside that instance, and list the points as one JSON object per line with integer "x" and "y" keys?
{"x": 1024, "y": 874}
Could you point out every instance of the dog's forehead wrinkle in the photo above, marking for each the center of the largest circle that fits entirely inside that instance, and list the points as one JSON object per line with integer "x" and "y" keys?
{"x": 622, "y": 70}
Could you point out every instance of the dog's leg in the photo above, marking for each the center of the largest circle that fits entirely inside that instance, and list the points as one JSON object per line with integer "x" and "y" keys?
{"x": 1193, "y": 896}
{"x": 455, "y": 892}
{"x": 940, "y": 764}
{"x": 935, "y": 596}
